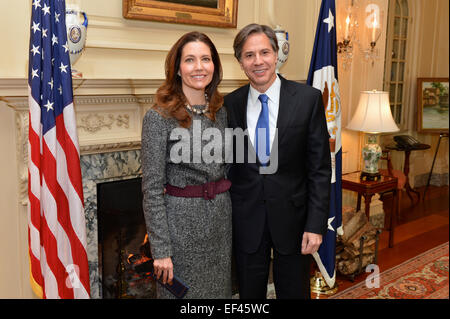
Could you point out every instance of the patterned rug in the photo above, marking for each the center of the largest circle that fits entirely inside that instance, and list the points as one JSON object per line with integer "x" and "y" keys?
{"x": 422, "y": 277}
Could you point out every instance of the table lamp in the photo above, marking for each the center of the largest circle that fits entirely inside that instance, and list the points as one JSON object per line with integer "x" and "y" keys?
{"x": 372, "y": 116}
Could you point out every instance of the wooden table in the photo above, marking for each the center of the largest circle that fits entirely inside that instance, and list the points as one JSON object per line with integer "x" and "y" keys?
{"x": 419, "y": 147}
{"x": 352, "y": 182}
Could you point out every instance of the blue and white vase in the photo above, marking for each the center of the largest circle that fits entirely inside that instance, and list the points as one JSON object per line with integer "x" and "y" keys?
{"x": 371, "y": 153}
{"x": 283, "y": 44}
{"x": 76, "y": 34}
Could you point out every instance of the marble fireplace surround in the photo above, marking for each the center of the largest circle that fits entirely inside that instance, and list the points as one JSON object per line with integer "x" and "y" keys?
{"x": 101, "y": 168}
{"x": 109, "y": 119}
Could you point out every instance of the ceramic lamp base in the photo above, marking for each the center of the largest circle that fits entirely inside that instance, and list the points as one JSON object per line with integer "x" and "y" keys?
{"x": 371, "y": 154}
{"x": 372, "y": 177}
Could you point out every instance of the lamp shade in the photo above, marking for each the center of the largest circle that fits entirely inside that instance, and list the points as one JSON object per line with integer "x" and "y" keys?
{"x": 373, "y": 114}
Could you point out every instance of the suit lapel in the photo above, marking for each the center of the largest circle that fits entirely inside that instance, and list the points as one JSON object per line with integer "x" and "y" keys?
{"x": 286, "y": 109}
{"x": 241, "y": 108}
{"x": 240, "y": 111}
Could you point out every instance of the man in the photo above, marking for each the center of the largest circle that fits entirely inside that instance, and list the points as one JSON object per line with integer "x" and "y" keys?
{"x": 288, "y": 209}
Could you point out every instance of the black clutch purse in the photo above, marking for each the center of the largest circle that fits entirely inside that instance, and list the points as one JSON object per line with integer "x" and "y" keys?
{"x": 143, "y": 265}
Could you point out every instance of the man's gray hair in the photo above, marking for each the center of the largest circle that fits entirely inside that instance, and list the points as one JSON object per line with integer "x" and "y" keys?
{"x": 248, "y": 30}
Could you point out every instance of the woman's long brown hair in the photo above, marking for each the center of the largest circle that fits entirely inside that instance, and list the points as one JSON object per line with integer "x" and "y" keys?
{"x": 170, "y": 100}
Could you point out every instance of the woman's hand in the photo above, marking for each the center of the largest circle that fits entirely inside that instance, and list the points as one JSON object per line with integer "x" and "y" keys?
{"x": 163, "y": 267}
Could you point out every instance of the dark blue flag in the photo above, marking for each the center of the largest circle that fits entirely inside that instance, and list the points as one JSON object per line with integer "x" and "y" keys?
{"x": 323, "y": 76}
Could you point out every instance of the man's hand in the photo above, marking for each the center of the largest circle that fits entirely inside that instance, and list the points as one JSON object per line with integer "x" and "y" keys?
{"x": 311, "y": 243}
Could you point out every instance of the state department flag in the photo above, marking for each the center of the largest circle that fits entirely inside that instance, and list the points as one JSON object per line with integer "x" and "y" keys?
{"x": 323, "y": 76}
{"x": 56, "y": 222}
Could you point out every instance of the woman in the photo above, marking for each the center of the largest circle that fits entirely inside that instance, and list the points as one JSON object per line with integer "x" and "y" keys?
{"x": 189, "y": 230}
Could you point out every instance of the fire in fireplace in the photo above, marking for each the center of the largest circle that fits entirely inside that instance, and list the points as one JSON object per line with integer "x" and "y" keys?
{"x": 121, "y": 231}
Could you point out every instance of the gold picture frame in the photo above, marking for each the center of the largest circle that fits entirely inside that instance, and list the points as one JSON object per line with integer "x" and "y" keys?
{"x": 432, "y": 105}
{"x": 214, "y": 13}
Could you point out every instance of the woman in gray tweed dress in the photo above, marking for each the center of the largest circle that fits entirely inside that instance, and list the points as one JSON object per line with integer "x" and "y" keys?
{"x": 187, "y": 207}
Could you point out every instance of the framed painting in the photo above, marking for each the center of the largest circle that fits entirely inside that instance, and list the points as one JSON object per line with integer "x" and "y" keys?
{"x": 214, "y": 13}
{"x": 432, "y": 105}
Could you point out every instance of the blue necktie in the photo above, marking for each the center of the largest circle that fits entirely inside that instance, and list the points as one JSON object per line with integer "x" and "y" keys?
{"x": 264, "y": 134}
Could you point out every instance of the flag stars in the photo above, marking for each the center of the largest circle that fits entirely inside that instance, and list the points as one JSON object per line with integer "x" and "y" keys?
{"x": 57, "y": 17}
{"x": 35, "y": 50}
{"x": 49, "y": 106}
{"x": 54, "y": 39}
{"x": 63, "y": 68}
{"x": 44, "y": 33}
{"x": 46, "y": 9}
{"x": 66, "y": 47}
{"x": 35, "y": 27}
{"x": 36, "y": 4}
{"x": 329, "y": 20}
{"x": 51, "y": 84}
{"x": 330, "y": 220}
{"x": 34, "y": 73}
{"x": 60, "y": 90}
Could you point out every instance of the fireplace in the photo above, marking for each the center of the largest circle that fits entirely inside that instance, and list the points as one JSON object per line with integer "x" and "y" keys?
{"x": 104, "y": 176}
{"x": 121, "y": 232}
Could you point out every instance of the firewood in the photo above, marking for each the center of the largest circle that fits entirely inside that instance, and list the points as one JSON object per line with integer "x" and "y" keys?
{"x": 367, "y": 243}
{"x": 348, "y": 213}
{"x": 343, "y": 255}
{"x": 367, "y": 227}
{"x": 348, "y": 251}
{"x": 353, "y": 225}
{"x": 369, "y": 240}
{"x": 348, "y": 267}
{"x": 354, "y": 252}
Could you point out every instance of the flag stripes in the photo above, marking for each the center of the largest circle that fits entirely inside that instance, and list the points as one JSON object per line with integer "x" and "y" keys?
{"x": 56, "y": 222}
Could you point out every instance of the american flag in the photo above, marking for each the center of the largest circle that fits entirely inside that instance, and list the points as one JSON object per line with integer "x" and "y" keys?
{"x": 323, "y": 75}
{"x": 56, "y": 223}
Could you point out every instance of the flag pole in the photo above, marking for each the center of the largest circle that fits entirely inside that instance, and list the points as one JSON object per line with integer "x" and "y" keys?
{"x": 323, "y": 75}
{"x": 319, "y": 286}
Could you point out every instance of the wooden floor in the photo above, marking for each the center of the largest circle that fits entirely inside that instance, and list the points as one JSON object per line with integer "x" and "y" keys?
{"x": 420, "y": 227}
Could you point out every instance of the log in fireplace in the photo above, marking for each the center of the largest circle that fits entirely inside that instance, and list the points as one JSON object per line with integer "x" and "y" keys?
{"x": 121, "y": 231}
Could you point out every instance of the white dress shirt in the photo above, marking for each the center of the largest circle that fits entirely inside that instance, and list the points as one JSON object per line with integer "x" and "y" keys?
{"x": 254, "y": 109}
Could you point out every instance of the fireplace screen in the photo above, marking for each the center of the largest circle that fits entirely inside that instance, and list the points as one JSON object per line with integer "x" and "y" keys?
{"x": 121, "y": 231}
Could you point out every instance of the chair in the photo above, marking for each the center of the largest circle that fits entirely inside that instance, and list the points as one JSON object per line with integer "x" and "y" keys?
{"x": 390, "y": 171}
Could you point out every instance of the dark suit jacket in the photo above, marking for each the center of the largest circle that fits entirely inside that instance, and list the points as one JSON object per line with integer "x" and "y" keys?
{"x": 296, "y": 197}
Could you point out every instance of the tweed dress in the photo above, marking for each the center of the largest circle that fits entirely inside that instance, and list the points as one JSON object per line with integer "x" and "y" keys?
{"x": 195, "y": 232}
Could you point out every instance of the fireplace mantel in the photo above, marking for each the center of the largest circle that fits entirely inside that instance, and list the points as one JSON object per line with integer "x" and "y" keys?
{"x": 109, "y": 114}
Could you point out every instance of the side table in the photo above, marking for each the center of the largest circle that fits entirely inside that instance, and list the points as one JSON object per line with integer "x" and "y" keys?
{"x": 352, "y": 182}
{"x": 418, "y": 147}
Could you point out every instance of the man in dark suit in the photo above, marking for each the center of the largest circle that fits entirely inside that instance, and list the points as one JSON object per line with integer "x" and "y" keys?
{"x": 287, "y": 209}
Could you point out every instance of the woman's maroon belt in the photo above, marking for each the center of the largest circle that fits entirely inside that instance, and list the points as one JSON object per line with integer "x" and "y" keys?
{"x": 207, "y": 191}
